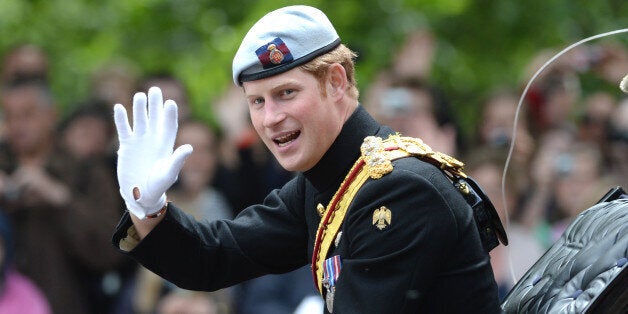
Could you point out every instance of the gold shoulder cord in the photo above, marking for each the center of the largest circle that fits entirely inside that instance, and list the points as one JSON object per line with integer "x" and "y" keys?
{"x": 333, "y": 217}
{"x": 415, "y": 147}
{"x": 375, "y": 162}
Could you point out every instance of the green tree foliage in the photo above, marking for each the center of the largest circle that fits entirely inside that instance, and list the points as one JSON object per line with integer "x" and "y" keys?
{"x": 481, "y": 44}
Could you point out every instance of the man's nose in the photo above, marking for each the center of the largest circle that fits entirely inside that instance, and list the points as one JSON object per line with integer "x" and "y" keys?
{"x": 274, "y": 114}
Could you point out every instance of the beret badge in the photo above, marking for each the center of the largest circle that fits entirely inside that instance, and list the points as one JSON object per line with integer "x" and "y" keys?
{"x": 273, "y": 53}
{"x": 276, "y": 56}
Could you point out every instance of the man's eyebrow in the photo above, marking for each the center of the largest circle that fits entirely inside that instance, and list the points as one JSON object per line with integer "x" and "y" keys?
{"x": 284, "y": 85}
{"x": 291, "y": 83}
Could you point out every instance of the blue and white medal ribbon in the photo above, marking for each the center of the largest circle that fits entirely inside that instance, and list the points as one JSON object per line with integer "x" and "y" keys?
{"x": 331, "y": 271}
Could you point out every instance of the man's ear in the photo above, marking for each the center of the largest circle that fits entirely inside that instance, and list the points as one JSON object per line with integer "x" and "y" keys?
{"x": 336, "y": 81}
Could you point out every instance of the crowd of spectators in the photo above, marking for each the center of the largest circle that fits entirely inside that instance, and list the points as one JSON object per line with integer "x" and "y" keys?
{"x": 59, "y": 202}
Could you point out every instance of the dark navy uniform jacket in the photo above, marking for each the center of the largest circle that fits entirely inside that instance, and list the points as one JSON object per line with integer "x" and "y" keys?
{"x": 428, "y": 259}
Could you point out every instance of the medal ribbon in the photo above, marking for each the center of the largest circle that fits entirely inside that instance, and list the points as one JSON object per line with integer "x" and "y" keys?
{"x": 332, "y": 270}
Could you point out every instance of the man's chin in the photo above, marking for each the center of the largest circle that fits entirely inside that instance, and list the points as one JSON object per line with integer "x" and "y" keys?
{"x": 292, "y": 165}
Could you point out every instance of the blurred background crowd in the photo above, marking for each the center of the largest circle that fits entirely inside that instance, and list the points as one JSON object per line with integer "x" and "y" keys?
{"x": 59, "y": 200}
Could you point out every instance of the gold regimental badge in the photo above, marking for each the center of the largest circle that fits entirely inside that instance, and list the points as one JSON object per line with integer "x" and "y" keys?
{"x": 382, "y": 217}
{"x": 276, "y": 56}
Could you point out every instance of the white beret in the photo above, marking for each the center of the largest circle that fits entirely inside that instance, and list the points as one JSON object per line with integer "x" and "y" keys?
{"x": 281, "y": 40}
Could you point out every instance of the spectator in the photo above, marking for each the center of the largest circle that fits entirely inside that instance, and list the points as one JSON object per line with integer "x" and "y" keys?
{"x": 607, "y": 60}
{"x": 25, "y": 62}
{"x": 172, "y": 88}
{"x": 114, "y": 82}
{"x": 551, "y": 99}
{"x": 88, "y": 132}
{"x": 413, "y": 60}
{"x": 417, "y": 109}
{"x": 592, "y": 125}
{"x": 496, "y": 130}
{"x": 580, "y": 183}
{"x": 62, "y": 209}
{"x": 18, "y": 294}
{"x": 402, "y": 98}
{"x": 537, "y": 209}
{"x": 194, "y": 188}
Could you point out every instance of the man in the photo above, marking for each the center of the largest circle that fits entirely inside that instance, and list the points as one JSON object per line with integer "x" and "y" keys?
{"x": 395, "y": 233}
{"x": 62, "y": 209}
{"x": 415, "y": 108}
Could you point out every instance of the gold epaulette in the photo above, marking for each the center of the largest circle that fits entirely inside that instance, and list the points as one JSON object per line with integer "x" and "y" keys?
{"x": 382, "y": 152}
{"x": 375, "y": 162}
{"x": 379, "y": 154}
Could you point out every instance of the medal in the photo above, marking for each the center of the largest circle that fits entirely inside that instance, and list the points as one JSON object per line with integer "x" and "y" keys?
{"x": 330, "y": 275}
{"x": 329, "y": 299}
{"x": 337, "y": 241}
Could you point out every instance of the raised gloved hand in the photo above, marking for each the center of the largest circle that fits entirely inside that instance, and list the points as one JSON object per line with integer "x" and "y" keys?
{"x": 146, "y": 162}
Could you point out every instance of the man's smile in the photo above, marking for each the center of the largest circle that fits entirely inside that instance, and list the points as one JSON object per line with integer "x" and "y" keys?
{"x": 286, "y": 139}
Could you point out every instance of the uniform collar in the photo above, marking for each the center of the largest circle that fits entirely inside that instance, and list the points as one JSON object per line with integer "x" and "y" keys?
{"x": 344, "y": 151}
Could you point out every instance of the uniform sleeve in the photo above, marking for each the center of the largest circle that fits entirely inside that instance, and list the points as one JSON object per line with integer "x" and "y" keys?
{"x": 393, "y": 263}
{"x": 265, "y": 238}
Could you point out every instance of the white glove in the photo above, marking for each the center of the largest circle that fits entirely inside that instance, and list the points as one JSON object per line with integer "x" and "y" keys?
{"x": 145, "y": 157}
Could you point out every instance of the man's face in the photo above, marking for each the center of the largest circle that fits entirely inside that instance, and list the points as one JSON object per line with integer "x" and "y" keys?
{"x": 28, "y": 122}
{"x": 199, "y": 168}
{"x": 294, "y": 119}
